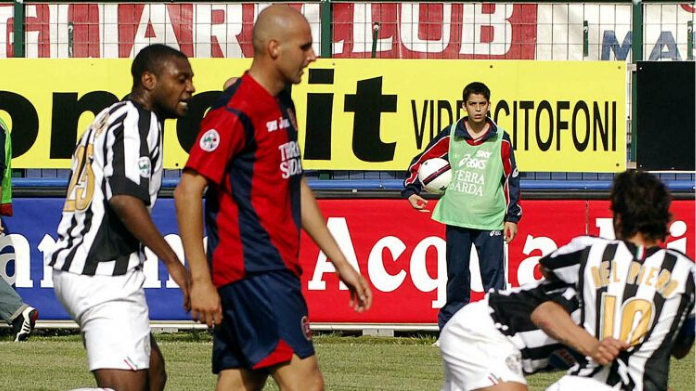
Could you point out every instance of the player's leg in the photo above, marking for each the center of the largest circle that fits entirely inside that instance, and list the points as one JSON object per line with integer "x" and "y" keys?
{"x": 299, "y": 374}
{"x": 113, "y": 317}
{"x": 505, "y": 386}
{"x": 490, "y": 246}
{"x": 11, "y": 305}
{"x": 577, "y": 383}
{"x": 476, "y": 356}
{"x": 458, "y": 253}
{"x": 121, "y": 380}
{"x": 157, "y": 374}
{"x": 241, "y": 379}
{"x": 242, "y": 336}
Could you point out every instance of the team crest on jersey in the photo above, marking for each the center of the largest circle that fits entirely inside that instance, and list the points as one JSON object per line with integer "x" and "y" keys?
{"x": 514, "y": 363}
{"x": 304, "y": 323}
{"x": 144, "y": 166}
{"x": 210, "y": 140}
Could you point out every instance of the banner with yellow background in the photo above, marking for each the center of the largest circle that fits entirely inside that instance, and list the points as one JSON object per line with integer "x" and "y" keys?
{"x": 353, "y": 114}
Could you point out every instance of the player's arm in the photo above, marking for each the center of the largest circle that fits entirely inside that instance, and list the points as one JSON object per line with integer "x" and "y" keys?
{"x": 438, "y": 147}
{"x": 136, "y": 218}
{"x": 511, "y": 187}
{"x": 557, "y": 323}
{"x": 563, "y": 264}
{"x": 313, "y": 223}
{"x": 685, "y": 338}
{"x": 205, "y": 300}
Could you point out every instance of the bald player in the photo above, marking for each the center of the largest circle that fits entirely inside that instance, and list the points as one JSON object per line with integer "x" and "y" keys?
{"x": 228, "y": 83}
{"x": 248, "y": 284}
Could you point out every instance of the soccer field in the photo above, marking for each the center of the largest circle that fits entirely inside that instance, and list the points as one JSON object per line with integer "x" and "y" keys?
{"x": 348, "y": 363}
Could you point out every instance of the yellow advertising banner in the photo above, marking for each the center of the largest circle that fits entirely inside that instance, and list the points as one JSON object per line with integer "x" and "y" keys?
{"x": 353, "y": 114}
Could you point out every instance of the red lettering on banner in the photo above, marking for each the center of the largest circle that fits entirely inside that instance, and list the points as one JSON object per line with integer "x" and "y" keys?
{"x": 439, "y": 30}
{"x": 86, "y": 38}
{"x": 37, "y": 29}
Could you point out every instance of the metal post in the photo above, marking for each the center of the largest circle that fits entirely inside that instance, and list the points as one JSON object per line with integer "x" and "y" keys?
{"x": 71, "y": 40}
{"x": 585, "y": 38}
{"x": 637, "y": 55}
{"x": 326, "y": 50}
{"x": 690, "y": 40}
{"x": 326, "y": 29}
{"x": 375, "y": 35}
{"x": 18, "y": 29}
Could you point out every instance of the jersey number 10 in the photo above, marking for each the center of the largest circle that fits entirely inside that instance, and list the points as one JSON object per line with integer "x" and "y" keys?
{"x": 636, "y": 318}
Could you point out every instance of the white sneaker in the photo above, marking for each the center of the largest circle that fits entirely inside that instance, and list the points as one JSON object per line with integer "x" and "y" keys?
{"x": 24, "y": 324}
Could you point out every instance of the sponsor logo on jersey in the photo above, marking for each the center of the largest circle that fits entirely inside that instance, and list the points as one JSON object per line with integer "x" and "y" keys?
{"x": 280, "y": 123}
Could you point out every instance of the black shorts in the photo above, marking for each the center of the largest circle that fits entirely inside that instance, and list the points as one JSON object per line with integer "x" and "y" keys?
{"x": 264, "y": 323}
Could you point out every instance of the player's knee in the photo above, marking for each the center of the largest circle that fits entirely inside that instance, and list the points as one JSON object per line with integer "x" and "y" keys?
{"x": 310, "y": 383}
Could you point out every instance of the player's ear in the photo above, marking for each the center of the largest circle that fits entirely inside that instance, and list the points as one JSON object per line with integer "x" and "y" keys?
{"x": 273, "y": 48}
{"x": 148, "y": 80}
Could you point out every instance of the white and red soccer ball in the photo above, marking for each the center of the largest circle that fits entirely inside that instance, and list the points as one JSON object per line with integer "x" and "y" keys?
{"x": 435, "y": 175}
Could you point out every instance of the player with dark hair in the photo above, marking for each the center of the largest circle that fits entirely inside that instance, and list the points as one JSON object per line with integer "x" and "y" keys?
{"x": 248, "y": 157}
{"x": 629, "y": 288}
{"x": 98, "y": 258}
{"x": 481, "y": 206}
{"x": 493, "y": 344}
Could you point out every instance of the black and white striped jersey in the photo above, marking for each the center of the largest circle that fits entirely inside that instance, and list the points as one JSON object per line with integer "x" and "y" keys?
{"x": 632, "y": 293}
{"x": 119, "y": 154}
{"x": 511, "y": 310}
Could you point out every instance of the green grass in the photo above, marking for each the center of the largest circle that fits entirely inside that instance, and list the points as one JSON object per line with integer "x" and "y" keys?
{"x": 59, "y": 362}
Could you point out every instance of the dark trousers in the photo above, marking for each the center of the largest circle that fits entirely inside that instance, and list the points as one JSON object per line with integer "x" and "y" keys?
{"x": 489, "y": 247}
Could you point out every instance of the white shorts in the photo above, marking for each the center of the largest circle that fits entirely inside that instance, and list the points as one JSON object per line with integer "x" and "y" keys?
{"x": 113, "y": 316}
{"x": 475, "y": 353}
{"x": 577, "y": 383}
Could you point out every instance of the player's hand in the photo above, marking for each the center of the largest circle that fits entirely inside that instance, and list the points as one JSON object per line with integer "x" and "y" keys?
{"x": 607, "y": 350}
{"x": 360, "y": 293}
{"x": 205, "y": 303}
{"x": 183, "y": 278}
{"x": 417, "y": 202}
{"x": 510, "y": 231}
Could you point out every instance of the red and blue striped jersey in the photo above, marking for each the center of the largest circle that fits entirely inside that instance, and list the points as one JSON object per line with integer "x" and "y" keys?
{"x": 247, "y": 148}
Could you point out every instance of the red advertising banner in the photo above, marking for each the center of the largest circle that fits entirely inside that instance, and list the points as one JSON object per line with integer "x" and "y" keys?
{"x": 682, "y": 230}
{"x": 543, "y": 31}
{"x": 402, "y": 254}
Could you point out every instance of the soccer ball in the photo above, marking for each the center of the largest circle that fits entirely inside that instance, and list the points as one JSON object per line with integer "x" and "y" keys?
{"x": 435, "y": 175}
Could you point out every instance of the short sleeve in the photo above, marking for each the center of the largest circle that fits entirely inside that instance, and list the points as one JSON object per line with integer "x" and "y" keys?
{"x": 564, "y": 263}
{"x": 128, "y": 157}
{"x": 221, "y": 137}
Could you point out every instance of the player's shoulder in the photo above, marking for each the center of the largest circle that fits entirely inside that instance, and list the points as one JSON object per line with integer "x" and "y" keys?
{"x": 679, "y": 254}
{"x": 233, "y": 104}
{"x": 125, "y": 112}
{"x": 589, "y": 240}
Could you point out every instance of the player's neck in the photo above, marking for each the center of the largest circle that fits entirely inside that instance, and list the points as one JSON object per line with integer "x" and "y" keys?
{"x": 476, "y": 130}
{"x": 641, "y": 240}
{"x": 139, "y": 97}
{"x": 266, "y": 78}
